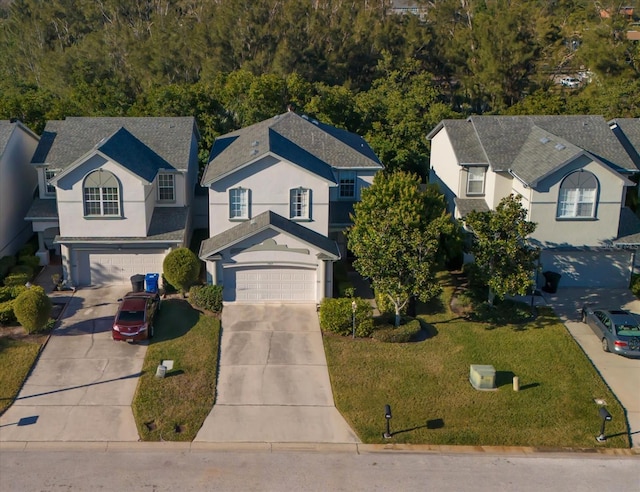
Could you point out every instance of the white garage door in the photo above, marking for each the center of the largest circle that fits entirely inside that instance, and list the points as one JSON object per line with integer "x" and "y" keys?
{"x": 590, "y": 269}
{"x": 117, "y": 268}
{"x": 260, "y": 284}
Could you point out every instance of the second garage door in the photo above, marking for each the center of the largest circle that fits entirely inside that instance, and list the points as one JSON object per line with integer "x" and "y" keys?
{"x": 102, "y": 268}
{"x": 260, "y": 284}
{"x": 595, "y": 269}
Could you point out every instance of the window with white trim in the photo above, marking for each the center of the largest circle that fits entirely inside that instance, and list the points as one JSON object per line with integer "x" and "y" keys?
{"x": 475, "y": 180}
{"x": 166, "y": 188}
{"x": 299, "y": 199}
{"x": 238, "y": 203}
{"x": 49, "y": 174}
{"x": 101, "y": 194}
{"x": 347, "y": 184}
{"x": 577, "y": 198}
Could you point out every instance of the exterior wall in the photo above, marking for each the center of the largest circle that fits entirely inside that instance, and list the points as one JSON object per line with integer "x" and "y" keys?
{"x": 18, "y": 181}
{"x": 364, "y": 179}
{"x": 135, "y": 204}
{"x": 445, "y": 170}
{"x": 269, "y": 182}
{"x": 553, "y": 232}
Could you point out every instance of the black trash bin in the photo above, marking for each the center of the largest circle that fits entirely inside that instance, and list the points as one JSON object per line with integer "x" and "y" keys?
{"x": 552, "y": 279}
{"x": 137, "y": 283}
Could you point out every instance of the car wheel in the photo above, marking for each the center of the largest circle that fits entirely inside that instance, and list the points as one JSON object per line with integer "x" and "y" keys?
{"x": 605, "y": 345}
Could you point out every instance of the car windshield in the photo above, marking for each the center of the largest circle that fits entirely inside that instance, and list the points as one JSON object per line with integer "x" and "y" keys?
{"x": 129, "y": 316}
{"x": 628, "y": 329}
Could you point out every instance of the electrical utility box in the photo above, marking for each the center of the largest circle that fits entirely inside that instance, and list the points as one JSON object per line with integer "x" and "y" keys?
{"x": 482, "y": 377}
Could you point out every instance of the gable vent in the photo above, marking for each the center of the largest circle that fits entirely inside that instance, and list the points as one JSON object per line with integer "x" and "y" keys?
{"x": 544, "y": 140}
{"x": 560, "y": 147}
{"x": 255, "y": 143}
{"x": 254, "y": 152}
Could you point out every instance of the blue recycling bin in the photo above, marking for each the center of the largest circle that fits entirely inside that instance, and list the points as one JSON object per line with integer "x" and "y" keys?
{"x": 151, "y": 282}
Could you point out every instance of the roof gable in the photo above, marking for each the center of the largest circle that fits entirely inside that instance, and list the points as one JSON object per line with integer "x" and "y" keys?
{"x": 7, "y": 129}
{"x": 627, "y": 130}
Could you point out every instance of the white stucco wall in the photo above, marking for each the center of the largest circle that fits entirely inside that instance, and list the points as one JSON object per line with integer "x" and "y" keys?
{"x": 136, "y": 202}
{"x": 269, "y": 181}
{"x": 445, "y": 170}
{"x": 18, "y": 181}
{"x": 553, "y": 232}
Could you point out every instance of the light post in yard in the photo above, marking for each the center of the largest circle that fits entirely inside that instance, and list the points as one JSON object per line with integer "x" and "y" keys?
{"x": 354, "y": 306}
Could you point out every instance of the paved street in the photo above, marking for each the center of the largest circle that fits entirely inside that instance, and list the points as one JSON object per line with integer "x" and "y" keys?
{"x": 273, "y": 384}
{"x": 83, "y": 383}
{"x": 139, "y": 468}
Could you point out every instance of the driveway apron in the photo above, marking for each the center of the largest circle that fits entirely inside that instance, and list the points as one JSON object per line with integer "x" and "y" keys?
{"x": 621, "y": 374}
{"x": 82, "y": 386}
{"x": 273, "y": 382}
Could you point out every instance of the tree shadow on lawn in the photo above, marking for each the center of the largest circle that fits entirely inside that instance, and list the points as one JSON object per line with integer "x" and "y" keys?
{"x": 175, "y": 319}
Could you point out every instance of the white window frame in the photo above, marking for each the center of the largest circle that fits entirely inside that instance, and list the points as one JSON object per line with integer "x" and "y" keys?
{"x": 474, "y": 177}
{"x": 300, "y": 203}
{"x": 49, "y": 189}
{"x": 347, "y": 180}
{"x": 239, "y": 203}
{"x": 101, "y": 195}
{"x": 578, "y": 196}
{"x": 166, "y": 186}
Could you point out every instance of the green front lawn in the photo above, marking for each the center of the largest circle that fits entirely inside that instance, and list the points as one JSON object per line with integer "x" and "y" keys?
{"x": 16, "y": 359}
{"x": 174, "y": 408}
{"x": 426, "y": 384}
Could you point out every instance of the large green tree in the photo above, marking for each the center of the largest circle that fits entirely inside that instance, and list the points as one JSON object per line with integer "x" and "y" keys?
{"x": 396, "y": 233}
{"x": 505, "y": 259}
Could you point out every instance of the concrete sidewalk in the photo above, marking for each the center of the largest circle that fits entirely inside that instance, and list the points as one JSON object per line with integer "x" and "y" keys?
{"x": 273, "y": 384}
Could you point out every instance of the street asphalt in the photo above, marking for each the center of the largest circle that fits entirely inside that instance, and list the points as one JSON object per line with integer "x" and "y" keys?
{"x": 273, "y": 383}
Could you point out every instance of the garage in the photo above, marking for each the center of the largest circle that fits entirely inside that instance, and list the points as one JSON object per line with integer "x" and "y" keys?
{"x": 272, "y": 283}
{"x": 107, "y": 268}
{"x": 590, "y": 269}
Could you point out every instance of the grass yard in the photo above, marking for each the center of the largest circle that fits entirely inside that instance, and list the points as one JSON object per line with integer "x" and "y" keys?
{"x": 16, "y": 359}
{"x": 426, "y": 384}
{"x": 174, "y": 408}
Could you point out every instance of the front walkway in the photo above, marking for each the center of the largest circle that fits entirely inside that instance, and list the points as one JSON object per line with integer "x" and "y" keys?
{"x": 273, "y": 381}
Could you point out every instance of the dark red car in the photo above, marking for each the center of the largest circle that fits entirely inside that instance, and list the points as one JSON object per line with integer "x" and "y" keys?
{"x": 135, "y": 316}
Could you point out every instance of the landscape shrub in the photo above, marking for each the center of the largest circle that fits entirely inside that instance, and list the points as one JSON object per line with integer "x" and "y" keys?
{"x": 6, "y": 262}
{"x": 402, "y": 334}
{"x": 22, "y": 268}
{"x": 16, "y": 279}
{"x": 207, "y": 297}
{"x": 336, "y": 316}
{"x": 8, "y": 293}
{"x": 635, "y": 284}
{"x": 28, "y": 249}
{"x": 181, "y": 268}
{"x": 32, "y": 308}
{"x": 7, "y": 316}
{"x": 31, "y": 261}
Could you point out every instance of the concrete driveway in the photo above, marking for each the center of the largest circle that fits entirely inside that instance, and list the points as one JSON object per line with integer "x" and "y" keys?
{"x": 273, "y": 384}
{"x": 621, "y": 374}
{"x": 83, "y": 383}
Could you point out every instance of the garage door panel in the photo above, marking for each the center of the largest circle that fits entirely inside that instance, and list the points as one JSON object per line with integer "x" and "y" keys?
{"x": 590, "y": 269}
{"x": 118, "y": 267}
{"x": 260, "y": 284}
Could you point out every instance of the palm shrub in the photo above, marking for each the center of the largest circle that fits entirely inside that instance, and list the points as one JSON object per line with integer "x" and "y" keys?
{"x": 181, "y": 268}
{"x": 336, "y": 316}
{"x": 32, "y": 308}
{"x": 207, "y": 297}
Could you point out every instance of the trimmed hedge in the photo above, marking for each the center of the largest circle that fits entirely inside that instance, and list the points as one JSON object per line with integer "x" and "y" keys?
{"x": 403, "y": 334}
{"x": 181, "y": 268}
{"x": 6, "y": 262}
{"x": 32, "y": 308}
{"x": 7, "y": 316}
{"x": 16, "y": 279}
{"x": 207, "y": 297}
{"x": 8, "y": 293}
{"x": 336, "y": 316}
{"x": 31, "y": 261}
{"x": 635, "y": 284}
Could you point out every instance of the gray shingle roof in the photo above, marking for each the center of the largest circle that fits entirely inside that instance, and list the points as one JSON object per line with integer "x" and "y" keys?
{"x": 168, "y": 224}
{"x": 260, "y": 223}
{"x": 628, "y": 132}
{"x": 313, "y": 145}
{"x": 514, "y": 142}
{"x": 6, "y": 129}
{"x": 466, "y": 205}
{"x": 64, "y": 141}
{"x": 42, "y": 209}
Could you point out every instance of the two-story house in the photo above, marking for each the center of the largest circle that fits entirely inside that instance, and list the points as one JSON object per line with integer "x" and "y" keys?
{"x": 115, "y": 194}
{"x": 18, "y": 183}
{"x": 280, "y": 193}
{"x": 571, "y": 172}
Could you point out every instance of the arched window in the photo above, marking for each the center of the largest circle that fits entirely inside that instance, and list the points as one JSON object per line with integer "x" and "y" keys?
{"x": 578, "y": 194}
{"x": 101, "y": 194}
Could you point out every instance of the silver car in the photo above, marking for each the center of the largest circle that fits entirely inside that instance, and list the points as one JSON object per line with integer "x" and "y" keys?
{"x": 618, "y": 330}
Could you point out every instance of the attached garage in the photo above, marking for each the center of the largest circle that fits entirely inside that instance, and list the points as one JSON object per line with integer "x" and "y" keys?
{"x": 272, "y": 283}
{"x": 117, "y": 267}
{"x": 590, "y": 269}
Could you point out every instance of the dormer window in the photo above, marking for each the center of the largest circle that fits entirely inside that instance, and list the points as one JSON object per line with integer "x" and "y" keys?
{"x": 101, "y": 195}
{"x": 475, "y": 180}
{"x": 347, "y": 185}
{"x": 300, "y": 200}
{"x": 49, "y": 174}
{"x": 238, "y": 203}
{"x": 166, "y": 188}
{"x": 578, "y": 193}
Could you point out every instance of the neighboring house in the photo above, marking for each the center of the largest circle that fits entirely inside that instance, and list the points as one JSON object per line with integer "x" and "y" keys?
{"x": 572, "y": 174}
{"x": 115, "y": 194}
{"x": 280, "y": 194}
{"x": 403, "y": 7}
{"x": 18, "y": 182}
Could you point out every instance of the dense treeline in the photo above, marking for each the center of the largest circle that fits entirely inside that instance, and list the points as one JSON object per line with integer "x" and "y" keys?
{"x": 348, "y": 62}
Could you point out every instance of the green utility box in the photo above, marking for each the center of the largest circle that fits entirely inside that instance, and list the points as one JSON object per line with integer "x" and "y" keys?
{"x": 482, "y": 377}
